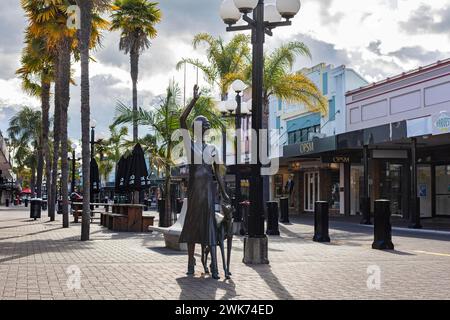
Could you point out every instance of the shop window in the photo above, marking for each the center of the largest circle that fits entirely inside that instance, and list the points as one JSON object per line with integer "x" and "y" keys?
{"x": 278, "y": 185}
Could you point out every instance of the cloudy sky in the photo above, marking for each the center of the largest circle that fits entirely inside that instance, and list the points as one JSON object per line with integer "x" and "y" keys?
{"x": 377, "y": 38}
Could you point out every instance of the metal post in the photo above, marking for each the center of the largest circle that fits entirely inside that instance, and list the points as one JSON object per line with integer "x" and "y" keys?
{"x": 91, "y": 196}
{"x": 256, "y": 244}
{"x": 72, "y": 187}
{"x": 415, "y": 201}
{"x": 365, "y": 201}
{"x": 238, "y": 190}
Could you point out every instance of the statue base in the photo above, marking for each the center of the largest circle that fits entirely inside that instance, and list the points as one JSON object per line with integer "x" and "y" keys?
{"x": 256, "y": 250}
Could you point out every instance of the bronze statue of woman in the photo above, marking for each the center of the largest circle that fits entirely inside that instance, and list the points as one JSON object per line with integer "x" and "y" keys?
{"x": 200, "y": 224}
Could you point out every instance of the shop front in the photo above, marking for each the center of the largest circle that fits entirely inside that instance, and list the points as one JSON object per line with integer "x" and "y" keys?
{"x": 317, "y": 174}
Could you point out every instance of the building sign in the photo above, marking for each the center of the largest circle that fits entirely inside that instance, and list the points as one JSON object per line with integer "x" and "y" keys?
{"x": 337, "y": 159}
{"x": 307, "y": 147}
{"x": 441, "y": 123}
{"x": 314, "y": 146}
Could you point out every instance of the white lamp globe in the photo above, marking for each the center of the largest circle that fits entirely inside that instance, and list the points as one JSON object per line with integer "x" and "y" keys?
{"x": 231, "y": 105}
{"x": 246, "y": 6}
{"x": 74, "y": 146}
{"x": 250, "y": 105}
{"x": 238, "y": 85}
{"x": 244, "y": 108}
{"x": 271, "y": 13}
{"x": 221, "y": 106}
{"x": 93, "y": 123}
{"x": 229, "y": 13}
{"x": 288, "y": 8}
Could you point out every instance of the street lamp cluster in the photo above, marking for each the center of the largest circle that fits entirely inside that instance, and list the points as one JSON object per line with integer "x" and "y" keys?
{"x": 231, "y": 10}
{"x": 264, "y": 19}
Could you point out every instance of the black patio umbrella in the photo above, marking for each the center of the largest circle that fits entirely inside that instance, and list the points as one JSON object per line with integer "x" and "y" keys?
{"x": 95, "y": 177}
{"x": 121, "y": 174}
{"x": 137, "y": 171}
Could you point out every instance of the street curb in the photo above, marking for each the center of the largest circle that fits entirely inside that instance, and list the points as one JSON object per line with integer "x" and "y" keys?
{"x": 424, "y": 231}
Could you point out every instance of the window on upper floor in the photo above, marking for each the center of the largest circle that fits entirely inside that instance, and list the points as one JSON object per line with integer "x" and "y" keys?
{"x": 332, "y": 109}
{"x": 302, "y": 135}
{"x": 325, "y": 83}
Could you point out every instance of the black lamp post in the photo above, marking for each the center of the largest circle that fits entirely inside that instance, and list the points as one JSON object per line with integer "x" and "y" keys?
{"x": 74, "y": 160}
{"x": 265, "y": 19}
{"x": 93, "y": 124}
{"x": 240, "y": 113}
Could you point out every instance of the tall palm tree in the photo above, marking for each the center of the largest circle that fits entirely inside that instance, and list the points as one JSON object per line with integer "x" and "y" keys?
{"x": 164, "y": 120}
{"x": 37, "y": 73}
{"x": 86, "y": 41}
{"x": 49, "y": 19}
{"x": 25, "y": 134}
{"x": 226, "y": 60}
{"x": 136, "y": 21}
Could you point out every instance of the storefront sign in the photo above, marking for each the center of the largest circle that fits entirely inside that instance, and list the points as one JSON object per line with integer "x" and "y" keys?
{"x": 307, "y": 147}
{"x": 314, "y": 146}
{"x": 338, "y": 159}
{"x": 441, "y": 123}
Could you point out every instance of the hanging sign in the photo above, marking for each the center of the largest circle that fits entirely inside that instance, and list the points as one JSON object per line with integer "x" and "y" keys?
{"x": 441, "y": 123}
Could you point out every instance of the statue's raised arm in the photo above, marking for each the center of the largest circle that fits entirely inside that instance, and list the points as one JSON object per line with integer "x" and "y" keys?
{"x": 187, "y": 110}
{"x": 187, "y": 139}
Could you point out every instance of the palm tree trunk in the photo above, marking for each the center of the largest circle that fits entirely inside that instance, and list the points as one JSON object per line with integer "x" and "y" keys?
{"x": 85, "y": 35}
{"x": 64, "y": 79}
{"x": 134, "y": 64}
{"x": 33, "y": 178}
{"x": 168, "y": 198}
{"x": 40, "y": 166}
{"x": 45, "y": 98}
{"x": 56, "y": 144}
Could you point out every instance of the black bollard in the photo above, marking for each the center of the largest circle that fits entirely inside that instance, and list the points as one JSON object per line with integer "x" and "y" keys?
{"x": 162, "y": 212}
{"x": 35, "y": 208}
{"x": 365, "y": 211}
{"x": 321, "y": 222}
{"x": 6, "y": 202}
{"x": 59, "y": 209}
{"x": 382, "y": 226}
{"x": 245, "y": 210}
{"x": 284, "y": 208}
{"x": 272, "y": 218}
{"x": 26, "y": 202}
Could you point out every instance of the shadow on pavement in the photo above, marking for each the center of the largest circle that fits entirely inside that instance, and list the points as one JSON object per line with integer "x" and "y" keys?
{"x": 265, "y": 272}
{"x": 204, "y": 287}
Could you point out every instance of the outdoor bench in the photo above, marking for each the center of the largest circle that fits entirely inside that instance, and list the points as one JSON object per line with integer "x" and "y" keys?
{"x": 172, "y": 233}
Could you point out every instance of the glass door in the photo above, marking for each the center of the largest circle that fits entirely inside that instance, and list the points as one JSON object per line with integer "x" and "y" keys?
{"x": 443, "y": 190}
{"x": 312, "y": 190}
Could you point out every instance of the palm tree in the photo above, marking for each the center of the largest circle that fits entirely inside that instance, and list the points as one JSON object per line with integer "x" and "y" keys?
{"x": 25, "y": 134}
{"x": 48, "y": 19}
{"x": 136, "y": 20}
{"x": 164, "y": 120}
{"x": 280, "y": 81}
{"x": 226, "y": 60}
{"x": 86, "y": 41}
{"x": 37, "y": 73}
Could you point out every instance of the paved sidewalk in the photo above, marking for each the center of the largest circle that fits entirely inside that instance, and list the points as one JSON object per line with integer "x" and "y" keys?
{"x": 35, "y": 257}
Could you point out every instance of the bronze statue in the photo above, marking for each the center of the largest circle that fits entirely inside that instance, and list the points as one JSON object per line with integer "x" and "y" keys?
{"x": 224, "y": 231}
{"x": 200, "y": 224}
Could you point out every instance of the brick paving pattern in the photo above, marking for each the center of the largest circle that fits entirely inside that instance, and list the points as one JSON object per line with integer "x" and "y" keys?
{"x": 35, "y": 257}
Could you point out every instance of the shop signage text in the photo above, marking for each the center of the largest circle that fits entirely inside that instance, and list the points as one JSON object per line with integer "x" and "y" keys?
{"x": 441, "y": 123}
{"x": 307, "y": 147}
